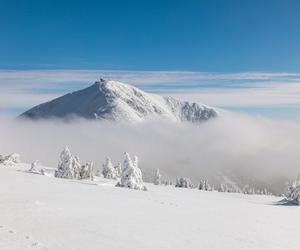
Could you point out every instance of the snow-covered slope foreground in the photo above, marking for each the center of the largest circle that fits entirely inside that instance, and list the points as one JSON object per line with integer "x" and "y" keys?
{"x": 112, "y": 100}
{"x": 39, "y": 212}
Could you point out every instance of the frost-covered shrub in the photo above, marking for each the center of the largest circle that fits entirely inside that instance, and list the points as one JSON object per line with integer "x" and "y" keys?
{"x": 10, "y": 160}
{"x": 157, "y": 177}
{"x": 108, "y": 171}
{"x": 204, "y": 185}
{"x": 69, "y": 166}
{"x": 183, "y": 182}
{"x": 131, "y": 174}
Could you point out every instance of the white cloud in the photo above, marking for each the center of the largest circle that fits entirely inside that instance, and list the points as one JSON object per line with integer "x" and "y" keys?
{"x": 264, "y": 95}
{"x": 19, "y": 100}
{"x": 136, "y": 77}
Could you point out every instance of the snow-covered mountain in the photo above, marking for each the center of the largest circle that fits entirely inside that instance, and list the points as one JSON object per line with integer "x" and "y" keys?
{"x": 113, "y": 100}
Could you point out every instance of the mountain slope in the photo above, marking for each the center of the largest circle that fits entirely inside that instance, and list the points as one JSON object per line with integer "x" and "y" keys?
{"x": 112, "y": 100}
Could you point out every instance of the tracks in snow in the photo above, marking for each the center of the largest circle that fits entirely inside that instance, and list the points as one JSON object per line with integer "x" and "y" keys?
{"x": 13, "y": 240}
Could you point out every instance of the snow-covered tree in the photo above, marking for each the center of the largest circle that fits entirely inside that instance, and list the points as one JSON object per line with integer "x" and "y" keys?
{"x": 86, "y": 171}
{"x": 157, "y": 177}
{"x": 33, "y": 167}
{"x": 229, "y": 186}
{"x": 135, "y": 161}
{"x": 293, "y": 192}
{"x": 183, "y": 182}
{"x": 248, "y": 190}
{"x": 222, "y": 188}
{"x": 204, "y": 185}
{"x": 167, "y": 182}
{"x": 252, "y": 191}
{"x": 98, "y": 172}
{"x": 263, "y": 191}
{"x": 108, "y": 170}
{"x": 201, "y": 185}
{"x": 118, "y": 170}
{"x": 10, "y": 160}
{"x": 69, "y": 166}
{"x": 207, "y": 187}
{"x": 131, "y": 174}
{"x": 14, "y": 158}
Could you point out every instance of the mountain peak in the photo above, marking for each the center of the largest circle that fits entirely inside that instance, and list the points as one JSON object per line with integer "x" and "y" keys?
{"x": 101, "y": 82}
{"x": 112, "y": 86}
{"x": 118, "y": 101}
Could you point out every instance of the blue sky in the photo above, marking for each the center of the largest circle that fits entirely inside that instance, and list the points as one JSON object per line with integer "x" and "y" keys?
{"x": 190, "y": 35}
{"x": 221, "y": 37}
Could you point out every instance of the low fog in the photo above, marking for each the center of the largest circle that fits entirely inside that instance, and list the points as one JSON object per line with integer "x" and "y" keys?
{"x": 254, "y": 150}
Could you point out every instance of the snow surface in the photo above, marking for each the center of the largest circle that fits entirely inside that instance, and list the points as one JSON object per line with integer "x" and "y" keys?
{"x": 116, "y": 101}
{"x": 40, "y": 212}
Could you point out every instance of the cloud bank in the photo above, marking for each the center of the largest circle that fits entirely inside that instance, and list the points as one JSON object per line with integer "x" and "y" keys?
{"x": 258, "y": 151}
